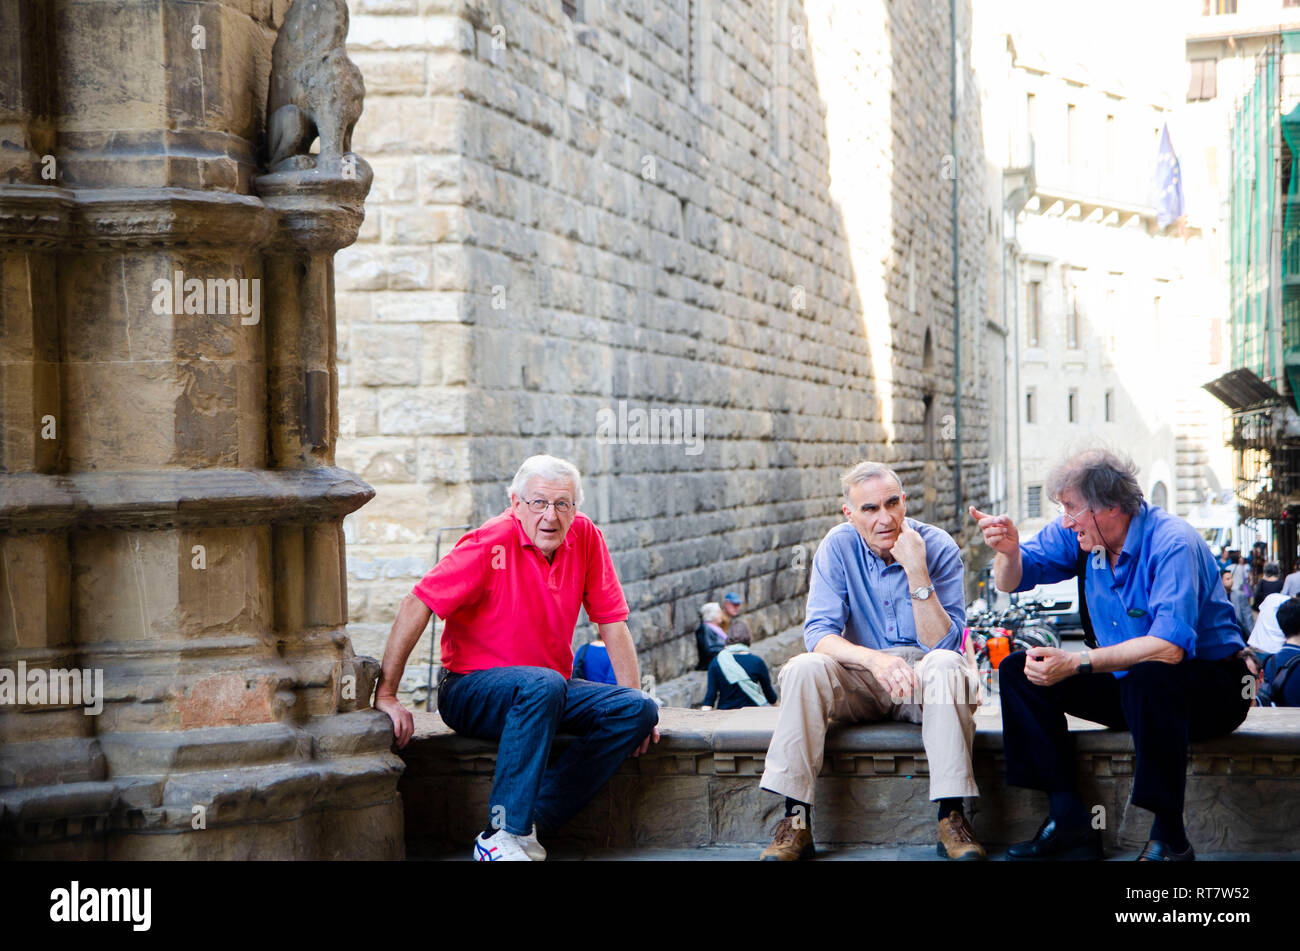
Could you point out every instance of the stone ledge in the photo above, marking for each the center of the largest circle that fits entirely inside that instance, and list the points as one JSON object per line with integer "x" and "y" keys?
{"x": 699, "y": 786}
{"x": 178, "y": 498}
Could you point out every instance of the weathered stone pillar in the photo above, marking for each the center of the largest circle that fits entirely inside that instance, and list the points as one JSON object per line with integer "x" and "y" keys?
{"x": 170, "y": 513}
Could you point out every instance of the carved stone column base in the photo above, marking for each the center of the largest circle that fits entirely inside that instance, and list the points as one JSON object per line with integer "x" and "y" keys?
{"x": 327, "y": 790}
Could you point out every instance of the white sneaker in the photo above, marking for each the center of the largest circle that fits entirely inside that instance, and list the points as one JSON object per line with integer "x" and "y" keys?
{"x": 534, "y": 848}
{"x": 502, "y": 847}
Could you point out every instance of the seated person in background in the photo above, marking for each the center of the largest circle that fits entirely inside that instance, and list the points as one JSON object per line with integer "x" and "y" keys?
{"x": 731, "y": 603}
{"x": 592, "y": 663}
{"x": 1266, "y": 638}
{"x": 738, "y": 678}
{"x": 1281, "y": 681}
{"x": 1272, "y": 584}
{"x": 709, "y": 636}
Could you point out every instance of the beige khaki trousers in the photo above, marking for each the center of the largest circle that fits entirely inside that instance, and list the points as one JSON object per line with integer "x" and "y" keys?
{"x": 814, "y": 688}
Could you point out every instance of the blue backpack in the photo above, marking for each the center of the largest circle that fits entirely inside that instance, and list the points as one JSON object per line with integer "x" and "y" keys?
{"x": 1273, "y": 693}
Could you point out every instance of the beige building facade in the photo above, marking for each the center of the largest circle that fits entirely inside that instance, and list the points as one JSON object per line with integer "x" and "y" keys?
{"x": 1116, "y": 318}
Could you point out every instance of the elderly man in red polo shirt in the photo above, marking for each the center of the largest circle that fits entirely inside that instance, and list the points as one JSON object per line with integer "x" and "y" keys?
{"x": 509, "y": 593}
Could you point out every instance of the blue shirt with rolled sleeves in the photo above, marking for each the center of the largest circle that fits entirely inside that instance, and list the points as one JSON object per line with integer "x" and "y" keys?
{"x": 1165, "y": 583}
{"x": 855, "y": 594}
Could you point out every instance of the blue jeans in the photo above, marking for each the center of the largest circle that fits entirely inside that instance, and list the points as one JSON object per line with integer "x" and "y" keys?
{"x": 523, "y": 708}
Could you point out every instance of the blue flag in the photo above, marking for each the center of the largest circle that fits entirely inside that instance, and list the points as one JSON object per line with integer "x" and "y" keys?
{"x": 1169, "y": 183}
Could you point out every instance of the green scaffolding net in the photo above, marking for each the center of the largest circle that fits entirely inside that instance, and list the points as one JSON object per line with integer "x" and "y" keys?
{"x": 1291, "y": 238}
{"x": 1263, "y": 340}
{"x": 1253, "y": 129}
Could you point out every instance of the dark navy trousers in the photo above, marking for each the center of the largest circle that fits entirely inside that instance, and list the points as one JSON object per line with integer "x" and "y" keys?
{"x": 1164, "y": 706}
{"x": 523, "y": 708}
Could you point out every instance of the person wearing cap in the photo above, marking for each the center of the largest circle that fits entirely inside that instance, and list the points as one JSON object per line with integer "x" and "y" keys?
{"x": 731, "y": 603}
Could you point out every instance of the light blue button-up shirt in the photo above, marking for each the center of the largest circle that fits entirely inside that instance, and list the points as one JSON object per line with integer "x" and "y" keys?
{"x": 854, "y": 594}
{"x": 1165, "y": 583}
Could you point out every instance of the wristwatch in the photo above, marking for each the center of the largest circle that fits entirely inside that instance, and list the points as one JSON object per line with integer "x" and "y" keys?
{"x": 923, "y": 592}
{"x": 1085, "y": 663}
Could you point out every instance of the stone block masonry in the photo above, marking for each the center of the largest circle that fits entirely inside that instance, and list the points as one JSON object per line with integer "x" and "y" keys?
{"x": 738, "y": 209}
{"x": 171, "y": 514}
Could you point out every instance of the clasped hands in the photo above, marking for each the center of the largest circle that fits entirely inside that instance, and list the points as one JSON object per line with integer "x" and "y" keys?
{"x": 894, "y": 674}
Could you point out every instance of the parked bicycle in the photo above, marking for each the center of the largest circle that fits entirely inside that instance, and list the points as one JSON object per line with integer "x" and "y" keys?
{"x": 997, "y": 634}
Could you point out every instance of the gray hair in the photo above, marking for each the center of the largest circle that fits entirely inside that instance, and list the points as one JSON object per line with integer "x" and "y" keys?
{"x": 711, "y": 612}
{"x": 864, "y": 471}
{"x": 739, "y": 635}
{"x": 550, "y": 468}
{"x": 1103, "y": 478}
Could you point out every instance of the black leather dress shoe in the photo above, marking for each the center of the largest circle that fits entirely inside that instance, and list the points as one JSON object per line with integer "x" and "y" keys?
{"x": 1052, "y": 845}
{"x": 1157, "y": 851}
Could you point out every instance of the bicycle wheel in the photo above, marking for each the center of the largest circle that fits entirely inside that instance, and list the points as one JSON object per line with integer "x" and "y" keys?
{"x": 1035, "y": 636}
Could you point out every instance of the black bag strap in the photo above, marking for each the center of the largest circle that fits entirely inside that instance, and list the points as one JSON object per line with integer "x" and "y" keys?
{"x": 1081, "y": 569}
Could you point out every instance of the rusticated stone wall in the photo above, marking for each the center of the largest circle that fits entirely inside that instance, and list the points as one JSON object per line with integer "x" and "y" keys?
{"x": 736, "y": 209}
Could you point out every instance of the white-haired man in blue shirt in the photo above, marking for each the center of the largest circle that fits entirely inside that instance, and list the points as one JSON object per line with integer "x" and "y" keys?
{"x": 1168, "y": 668}
{"x": 886, "y": 609}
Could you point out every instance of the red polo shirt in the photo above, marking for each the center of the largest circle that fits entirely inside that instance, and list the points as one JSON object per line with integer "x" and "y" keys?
{"x": 504, "y": 605}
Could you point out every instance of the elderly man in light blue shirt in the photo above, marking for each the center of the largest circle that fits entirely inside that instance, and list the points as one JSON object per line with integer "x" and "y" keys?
{"x": 883, "y": 631}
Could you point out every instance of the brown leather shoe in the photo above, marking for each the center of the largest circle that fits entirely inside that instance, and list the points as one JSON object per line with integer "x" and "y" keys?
{"x": 789, "y": 844}
{"x": 957, "y": 841}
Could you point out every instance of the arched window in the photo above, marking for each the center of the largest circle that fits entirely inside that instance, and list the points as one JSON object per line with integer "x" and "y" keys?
{"x": 1160, "y": 495}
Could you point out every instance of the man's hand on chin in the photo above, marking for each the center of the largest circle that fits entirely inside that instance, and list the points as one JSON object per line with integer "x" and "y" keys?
{"x": 909, "y": 549}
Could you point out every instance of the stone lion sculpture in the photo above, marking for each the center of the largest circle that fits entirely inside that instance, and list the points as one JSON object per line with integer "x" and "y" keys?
{"x": 315, "y": 89}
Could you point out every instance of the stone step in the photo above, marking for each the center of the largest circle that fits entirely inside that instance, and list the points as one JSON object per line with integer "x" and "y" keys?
{"x": 748, "y": 853}
{"x": 698, "y": 788}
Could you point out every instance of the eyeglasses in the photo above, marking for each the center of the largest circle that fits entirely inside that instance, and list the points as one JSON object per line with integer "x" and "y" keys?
{"x": 562, "y": 507}
{"x": 1072, "y": 516}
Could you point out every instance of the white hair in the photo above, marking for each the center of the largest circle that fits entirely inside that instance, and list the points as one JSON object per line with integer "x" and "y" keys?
{"x": 549, "y": 468}
{"x": 711, "y": 612}
{"x": 864, "y": 471}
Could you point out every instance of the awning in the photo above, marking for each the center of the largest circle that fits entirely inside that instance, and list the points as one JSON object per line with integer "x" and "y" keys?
{"x": 1242, "y": 389}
